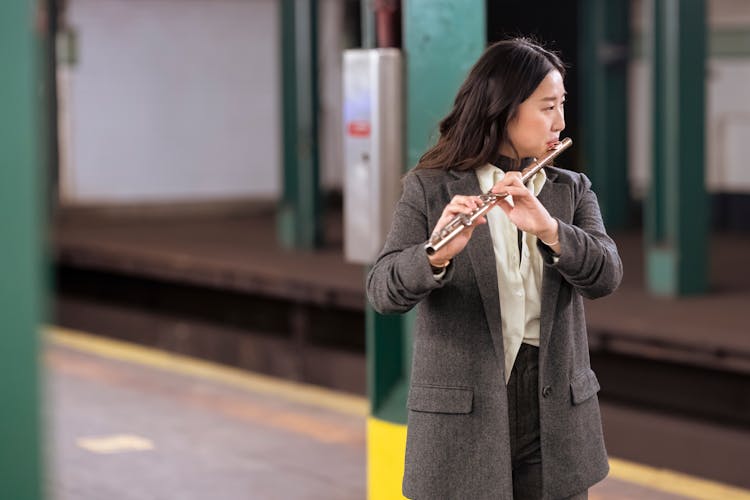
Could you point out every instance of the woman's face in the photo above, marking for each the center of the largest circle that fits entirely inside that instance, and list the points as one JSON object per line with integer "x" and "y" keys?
{"x": 539, "y": 119}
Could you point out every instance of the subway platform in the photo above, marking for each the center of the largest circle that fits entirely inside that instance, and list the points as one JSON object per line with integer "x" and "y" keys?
{"x": 674, "y": 372}
{"x": 127, "y": 422}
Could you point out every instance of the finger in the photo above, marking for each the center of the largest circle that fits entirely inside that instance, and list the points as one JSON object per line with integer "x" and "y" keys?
{"x": 505, "y": 206}
{"x": 452, "y": 209}
{"x": 464, "y": 204}
{"x": 458, "y": 208}
{"x": 472, "y": 201}
{"x": 518, "y": 191}
{"x": 502, "y": 185}
{"x": 514, "y": 179}
{"x": 479, "y": 221}
{"x": 442, "y": 223}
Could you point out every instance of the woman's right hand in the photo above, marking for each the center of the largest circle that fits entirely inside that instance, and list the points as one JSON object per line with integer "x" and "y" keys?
{"x": 458, "y": 205}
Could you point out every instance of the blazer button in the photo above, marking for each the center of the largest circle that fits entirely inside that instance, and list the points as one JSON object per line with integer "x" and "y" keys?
{"x": 547, "y": 391}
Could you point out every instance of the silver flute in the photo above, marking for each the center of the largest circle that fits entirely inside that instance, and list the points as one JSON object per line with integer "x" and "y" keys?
{"x": 461, "y": 221}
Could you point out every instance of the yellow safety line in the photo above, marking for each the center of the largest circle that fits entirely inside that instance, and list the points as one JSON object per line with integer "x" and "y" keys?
{"x": 386, "y": 446}
{"x": 650, "y": 477}
{"x": 385, "y": 455}
{"x": 185, "y": 365}
{"x": 674, "y": 482}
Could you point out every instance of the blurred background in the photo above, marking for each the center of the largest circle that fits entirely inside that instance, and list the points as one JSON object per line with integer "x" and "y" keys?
{"x": 182, "y": 293}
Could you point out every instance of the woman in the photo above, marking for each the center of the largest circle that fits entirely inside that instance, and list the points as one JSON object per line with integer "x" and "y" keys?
{"x": 502, "y": 402}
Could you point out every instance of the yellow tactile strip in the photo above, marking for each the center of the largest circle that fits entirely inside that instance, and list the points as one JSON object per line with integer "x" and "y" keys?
{"x": 175, "y": 363}
{"x": 673, "y": 482}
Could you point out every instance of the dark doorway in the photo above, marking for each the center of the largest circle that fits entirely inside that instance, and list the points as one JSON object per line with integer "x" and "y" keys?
{"x": 555, "y": 24}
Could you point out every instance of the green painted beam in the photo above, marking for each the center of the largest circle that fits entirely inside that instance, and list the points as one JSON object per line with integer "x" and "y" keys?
{"x": 20, "y": 251}
{"x": 386, "y": 381}
{"x": 442, "y": 39}
{"x": 676, "y": 216}
{"x": 604, "y": 49}
{"x": 367, "y": 23}
{"x": 299, "y": 217}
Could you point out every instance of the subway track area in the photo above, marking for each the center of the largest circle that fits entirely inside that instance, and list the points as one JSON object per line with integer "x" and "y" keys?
{"x": 674, "y": 372}
{"x": 131, "y": 422}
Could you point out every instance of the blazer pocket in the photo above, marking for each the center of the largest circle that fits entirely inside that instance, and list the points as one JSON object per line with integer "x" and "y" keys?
{"x": 437, "y": 399}
{"x": 584, "y": 385}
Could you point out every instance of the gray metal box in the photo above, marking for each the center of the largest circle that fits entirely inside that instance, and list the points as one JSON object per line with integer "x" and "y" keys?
{"x": 373, "y": 148}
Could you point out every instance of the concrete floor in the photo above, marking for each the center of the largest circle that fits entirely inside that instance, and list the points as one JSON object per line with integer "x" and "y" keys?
{"x": 208, "y": 440}
{"x": 136, "y": 427}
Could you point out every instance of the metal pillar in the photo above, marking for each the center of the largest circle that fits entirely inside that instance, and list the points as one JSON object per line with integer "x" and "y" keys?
{"x": 300, "y": 220}
{"x": 604, "y": 58}
{"x": 20, "y": 255}
{"x": 441, "y": 40}
{"x": 367, "y": 23}
{"x": 387, "y": 370}
{"x": 49, "y": 80}
{"x": 677, "y": 209}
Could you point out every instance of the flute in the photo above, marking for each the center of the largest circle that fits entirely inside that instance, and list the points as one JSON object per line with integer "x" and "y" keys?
{"x": 461, "y": 221}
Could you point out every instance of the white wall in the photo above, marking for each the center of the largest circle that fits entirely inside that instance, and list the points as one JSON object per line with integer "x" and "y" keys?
{"x": 727, "y": 106}
{"x": 330, "y": 55}
{"x": 728, "y": 127}
{"x": 171, "y": 101}
{"x": 729, "y": 13}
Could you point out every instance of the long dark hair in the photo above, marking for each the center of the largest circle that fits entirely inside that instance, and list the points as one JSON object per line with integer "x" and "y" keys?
{"x": 505, "y": 75}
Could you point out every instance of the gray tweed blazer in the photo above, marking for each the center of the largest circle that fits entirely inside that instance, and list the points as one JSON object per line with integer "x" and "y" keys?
{"x": 458, "y": 443}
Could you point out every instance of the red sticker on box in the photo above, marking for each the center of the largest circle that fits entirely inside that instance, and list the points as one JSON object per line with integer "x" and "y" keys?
{"x": 359, "y": 128}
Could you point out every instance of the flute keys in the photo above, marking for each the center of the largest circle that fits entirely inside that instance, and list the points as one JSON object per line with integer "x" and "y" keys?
{"x": 455, "y": 225}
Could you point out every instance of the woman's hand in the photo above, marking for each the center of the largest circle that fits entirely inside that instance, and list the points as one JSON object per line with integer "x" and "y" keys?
{"x": 458, "y": 205}
{"x": 525, "y": 210}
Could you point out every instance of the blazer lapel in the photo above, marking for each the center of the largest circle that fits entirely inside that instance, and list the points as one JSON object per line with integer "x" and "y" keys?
{"x": 556, "y": 199}
{"x": 482, "y": 256}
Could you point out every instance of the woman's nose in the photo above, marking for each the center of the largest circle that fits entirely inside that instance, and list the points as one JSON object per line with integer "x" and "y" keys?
{"x": 559, "y": 124}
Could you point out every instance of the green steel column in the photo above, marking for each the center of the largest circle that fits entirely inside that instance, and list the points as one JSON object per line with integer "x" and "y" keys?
{"x": 604, "y": 58}
{"x": 442, "y": 39}
{"x": 299, "y": 222}
{"x": 386, "y": 366}
{"x": 367, "y": 23}
{"x": 677, "y": 208}
{"x": 385, "y": 357}
{"x": 20, "y": 255}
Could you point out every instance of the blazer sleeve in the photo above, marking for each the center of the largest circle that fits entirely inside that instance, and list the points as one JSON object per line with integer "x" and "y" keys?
{"x": 401, "y": 275}
{"x": 588, "y": 260}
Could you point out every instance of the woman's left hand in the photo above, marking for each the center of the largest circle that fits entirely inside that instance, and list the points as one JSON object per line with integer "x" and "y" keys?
{"x": 526, "y": 212}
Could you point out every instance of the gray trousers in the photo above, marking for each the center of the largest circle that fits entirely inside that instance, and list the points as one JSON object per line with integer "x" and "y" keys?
{"x": 523, "y": 416}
